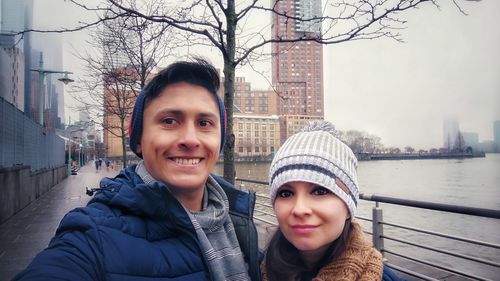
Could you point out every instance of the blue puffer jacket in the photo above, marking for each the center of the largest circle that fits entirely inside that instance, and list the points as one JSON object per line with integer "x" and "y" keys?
{"x": 134, "y": 231}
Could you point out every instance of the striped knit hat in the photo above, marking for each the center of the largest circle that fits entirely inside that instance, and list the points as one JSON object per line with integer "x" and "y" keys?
{"x": 316, "y": 156}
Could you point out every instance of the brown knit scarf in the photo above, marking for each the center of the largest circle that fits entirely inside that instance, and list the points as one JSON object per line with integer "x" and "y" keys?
{"x": 359, "y": 261}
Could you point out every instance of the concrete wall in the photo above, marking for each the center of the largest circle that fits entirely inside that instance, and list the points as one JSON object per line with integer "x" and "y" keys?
{"x": 19, "y": 186}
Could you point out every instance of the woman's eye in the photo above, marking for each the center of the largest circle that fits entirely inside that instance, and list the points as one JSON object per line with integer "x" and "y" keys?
{"x": 321, "y": 191}
{"x": 284, "y": 193}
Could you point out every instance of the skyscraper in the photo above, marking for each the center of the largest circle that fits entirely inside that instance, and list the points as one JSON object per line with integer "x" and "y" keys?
{"x": 297, "y": 67}
{"x": 496, "y": 135}
{"x": 15, "y": 16}
{"x": 450, "y": 133}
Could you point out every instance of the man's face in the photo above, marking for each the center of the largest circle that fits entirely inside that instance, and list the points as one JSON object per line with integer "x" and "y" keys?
{"x": 181, "y": 138}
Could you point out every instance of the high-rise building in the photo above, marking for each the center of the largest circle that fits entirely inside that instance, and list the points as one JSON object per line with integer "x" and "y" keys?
{"x": 496, "y": 135}
{"x": 11, "y": 71}
{"x": 297, "y": 67}
{"x": 84, "y": 116}
{"x": 15, "y": 16}
{"x": 113, "y": 53}
{"x": 256, "y": 135}
{"x": 249, "y": 101}
{"x": 471, "y": 140}
{"x": 450, "y": 133}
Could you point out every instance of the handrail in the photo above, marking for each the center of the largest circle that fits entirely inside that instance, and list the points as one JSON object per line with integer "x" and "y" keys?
{"x": 438, "y": 266}
{"x": 489, "y": 213}
{"x": 251, "y": 181}
{"x": 404, "y": 241}
{"x": 459, "y": 238}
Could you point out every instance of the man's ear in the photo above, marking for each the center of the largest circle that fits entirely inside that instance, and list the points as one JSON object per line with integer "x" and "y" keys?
{"x": 139, "y": 148}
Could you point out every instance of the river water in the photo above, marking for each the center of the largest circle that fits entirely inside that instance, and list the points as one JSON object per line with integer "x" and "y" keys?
{"x": 473, "y": 182}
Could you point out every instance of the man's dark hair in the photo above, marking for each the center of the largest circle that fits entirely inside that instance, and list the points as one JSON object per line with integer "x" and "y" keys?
{"x": 198, "y": 72}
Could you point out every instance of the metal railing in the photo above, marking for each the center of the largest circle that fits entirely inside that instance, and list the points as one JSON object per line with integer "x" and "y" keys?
{"x": 265, "y": 214}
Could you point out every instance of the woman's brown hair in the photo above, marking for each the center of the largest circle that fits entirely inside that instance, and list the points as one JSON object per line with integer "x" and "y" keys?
{"x": 284, "y": 262}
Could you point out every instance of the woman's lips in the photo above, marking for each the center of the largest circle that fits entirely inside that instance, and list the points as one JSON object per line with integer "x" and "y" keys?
{"x": 303, "y": 228}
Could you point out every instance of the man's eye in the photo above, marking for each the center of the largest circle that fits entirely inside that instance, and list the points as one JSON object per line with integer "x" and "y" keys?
{"x": 321, "y": 191}
{"x": 168, "y": 121}
{"x": 205, "y": 123}
{"x": 284, "y": 193}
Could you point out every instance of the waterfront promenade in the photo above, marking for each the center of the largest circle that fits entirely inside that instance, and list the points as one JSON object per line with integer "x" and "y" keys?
{"x": 29, "y": 231}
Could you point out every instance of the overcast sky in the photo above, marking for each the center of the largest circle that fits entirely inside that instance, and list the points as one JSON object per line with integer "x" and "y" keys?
{"x": 449, "y": 66}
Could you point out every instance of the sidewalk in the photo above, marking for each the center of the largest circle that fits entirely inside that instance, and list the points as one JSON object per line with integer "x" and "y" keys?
{"x": 29, "y": 231}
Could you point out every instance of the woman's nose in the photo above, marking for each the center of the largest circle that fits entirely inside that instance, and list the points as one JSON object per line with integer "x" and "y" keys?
{"x": 302, "y": 206}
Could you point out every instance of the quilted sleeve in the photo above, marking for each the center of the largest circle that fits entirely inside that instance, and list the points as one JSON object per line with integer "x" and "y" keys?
{"x": 73, "y": 253}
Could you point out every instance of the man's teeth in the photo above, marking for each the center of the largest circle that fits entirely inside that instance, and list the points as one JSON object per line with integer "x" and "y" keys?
{"x": 184, "y": 161}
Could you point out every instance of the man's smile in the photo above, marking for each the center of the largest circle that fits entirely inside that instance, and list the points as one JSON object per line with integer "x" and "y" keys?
{"x": 186, "y": 161}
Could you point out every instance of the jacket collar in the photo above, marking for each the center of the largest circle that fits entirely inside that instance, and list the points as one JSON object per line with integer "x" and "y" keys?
{"x": 128, "y": 191}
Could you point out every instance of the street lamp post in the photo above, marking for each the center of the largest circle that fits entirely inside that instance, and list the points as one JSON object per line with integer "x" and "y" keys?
{"x": 69, "y": 150}
{"x": 80, "y": 155}
{"x": 69, "y": 137}
{"x": 41, "y": 81}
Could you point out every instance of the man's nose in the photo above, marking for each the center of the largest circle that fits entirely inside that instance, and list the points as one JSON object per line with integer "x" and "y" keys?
{"x": 189, "y": 136}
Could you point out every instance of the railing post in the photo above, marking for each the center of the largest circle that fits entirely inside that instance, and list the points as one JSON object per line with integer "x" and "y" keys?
{"x": 378, "y": 229}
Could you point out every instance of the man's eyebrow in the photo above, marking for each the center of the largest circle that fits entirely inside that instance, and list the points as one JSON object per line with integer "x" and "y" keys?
{"x": 169, "y": 111}
{"x": 176, "y": 112}
{"x": 209, "y": 115}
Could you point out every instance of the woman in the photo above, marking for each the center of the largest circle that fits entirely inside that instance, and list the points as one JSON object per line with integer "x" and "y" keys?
{"x": 314, "y": 191}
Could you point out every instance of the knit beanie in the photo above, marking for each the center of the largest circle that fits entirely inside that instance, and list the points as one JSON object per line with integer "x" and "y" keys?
{"x": 316, "y": 156}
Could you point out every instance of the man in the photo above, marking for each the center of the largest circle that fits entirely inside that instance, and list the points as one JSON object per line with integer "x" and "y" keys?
{"x": 167, "y": 218}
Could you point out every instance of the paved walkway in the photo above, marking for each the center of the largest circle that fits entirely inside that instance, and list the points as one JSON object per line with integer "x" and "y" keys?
{"x": 29, "y": 231}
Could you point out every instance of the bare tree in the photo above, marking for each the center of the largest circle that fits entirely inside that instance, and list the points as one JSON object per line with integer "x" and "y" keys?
{"x": 223, "y": 25}
{"x": 409, "y": 149}
{"x": 361, "y": 142}
{"x": 131, "y": 48}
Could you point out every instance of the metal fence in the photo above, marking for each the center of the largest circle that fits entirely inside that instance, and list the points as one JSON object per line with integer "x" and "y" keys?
{"x": 411, "y": 264}
{"x": 24, "y": 142}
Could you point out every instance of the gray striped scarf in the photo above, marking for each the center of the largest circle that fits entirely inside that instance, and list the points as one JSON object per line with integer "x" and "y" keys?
{"x": 217, "y": 237}
{"x": 215, "y": 232}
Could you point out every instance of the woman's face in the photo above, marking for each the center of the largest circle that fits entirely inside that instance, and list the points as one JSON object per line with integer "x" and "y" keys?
{"x": 310, "y": 216}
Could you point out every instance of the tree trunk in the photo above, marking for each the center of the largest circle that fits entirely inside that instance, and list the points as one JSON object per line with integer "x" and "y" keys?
{"x": 124, "y": 144}
{"x": 229, "y": 68}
